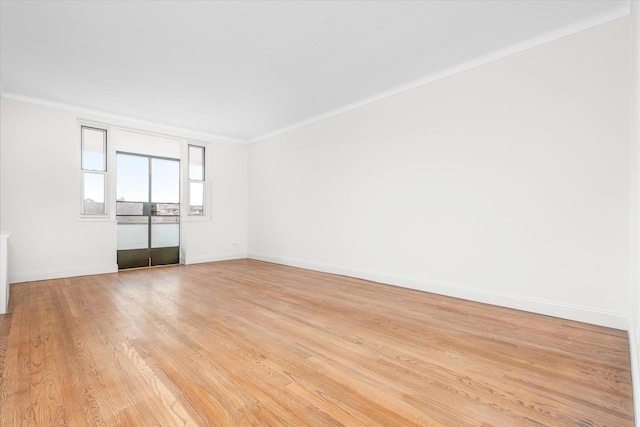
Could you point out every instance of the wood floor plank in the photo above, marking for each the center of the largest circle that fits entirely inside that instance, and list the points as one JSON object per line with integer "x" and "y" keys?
{"x": 251, "y": 343}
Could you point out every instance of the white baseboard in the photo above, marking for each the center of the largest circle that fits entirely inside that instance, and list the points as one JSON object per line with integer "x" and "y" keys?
{"x": 212, "y": 258}
{"x": 539, "y": 306}
{"x": 59, "y": 274}
{"x": 634, "y": 349}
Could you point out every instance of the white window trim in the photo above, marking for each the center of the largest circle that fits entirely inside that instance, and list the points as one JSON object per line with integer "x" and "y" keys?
{"x": 109, "y": 184}
{"x": 207, "y": 205}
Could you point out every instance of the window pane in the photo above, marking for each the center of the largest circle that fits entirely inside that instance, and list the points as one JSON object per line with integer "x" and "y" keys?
{"x": 165, "y": 181}
{"x": 94, "y": 143}
{"x": 196, "y": 163}
{"x": 132, "y": 178}
{"x": 196, "y": 198}
{"x": 93, "y": 202}
{"x": 165, "y": 232}
{"x": 169, "y": 209}
{"x": 126, "y": 208}
{"x": 133, "y": 232}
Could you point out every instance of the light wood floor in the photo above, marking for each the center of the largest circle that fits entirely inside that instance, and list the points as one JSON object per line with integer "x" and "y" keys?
{"x": 249, "y": 343}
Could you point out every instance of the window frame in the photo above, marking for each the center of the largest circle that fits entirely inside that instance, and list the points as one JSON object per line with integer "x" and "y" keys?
{"x": 105, "y": 214}
{"x": 203, "y": 181}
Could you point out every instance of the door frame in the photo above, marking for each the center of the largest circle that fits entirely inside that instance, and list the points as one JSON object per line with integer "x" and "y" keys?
{"x": 132, "y": 258}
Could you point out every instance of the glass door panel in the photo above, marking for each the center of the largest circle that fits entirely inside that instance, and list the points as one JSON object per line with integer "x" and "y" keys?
{"x": 129, "y": 208}
{"x": 168, "y": 209}
{"x": 148, "y": 211}
{"x": 165, "y": 232}
{"x": 165, "y": 181}
{"x": 133, "y": 232}
{"x": 132, "y": 182}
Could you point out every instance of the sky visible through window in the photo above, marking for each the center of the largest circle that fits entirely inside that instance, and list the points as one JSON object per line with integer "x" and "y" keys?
{"x": 132, "y": 179}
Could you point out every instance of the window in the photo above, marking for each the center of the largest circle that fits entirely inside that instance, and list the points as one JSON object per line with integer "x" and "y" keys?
{"x": 94, "y": 170}
{"x": 196, "y": 180}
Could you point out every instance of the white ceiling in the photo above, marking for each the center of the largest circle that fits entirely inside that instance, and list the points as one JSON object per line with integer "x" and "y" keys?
{"x": 244, "y": 70}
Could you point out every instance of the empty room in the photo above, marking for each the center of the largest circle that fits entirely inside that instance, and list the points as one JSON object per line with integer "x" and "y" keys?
{"x": 320, "y": 213}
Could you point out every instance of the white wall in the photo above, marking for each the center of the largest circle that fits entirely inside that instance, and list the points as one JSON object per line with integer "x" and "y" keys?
{"x": 225, "y": 235}
{"x": 508, "y": 184}
{"x": 634, "y": 300}
{"x": 40, "y": 198}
